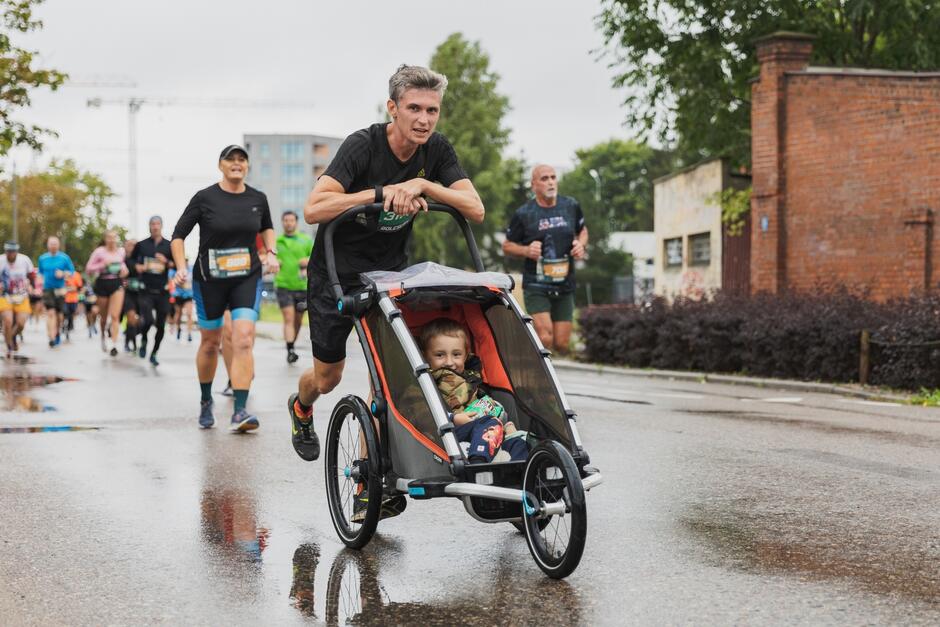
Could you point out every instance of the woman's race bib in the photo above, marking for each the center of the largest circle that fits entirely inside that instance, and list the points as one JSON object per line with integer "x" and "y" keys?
{"x": 553, "y": 270}
{"x": 225, "y": 263}
{"x": 113, "y": 268}
{"x": 16, "y": 299}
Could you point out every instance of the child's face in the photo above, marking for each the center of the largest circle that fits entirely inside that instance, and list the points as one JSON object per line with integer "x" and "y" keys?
{"x": 445, "y": 351}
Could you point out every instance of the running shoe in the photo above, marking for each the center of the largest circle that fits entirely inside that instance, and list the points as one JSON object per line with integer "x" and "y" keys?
{"x": 51, "y": 343}
{"x": 153, "y": 359}
{"x": 178, "y": 333}
{"x": 142, "y": 347}
{"x": 58, "y": 340}
{"x": 242, "y": 421}
{"x": 292, "y": 357}
{"x": 206, "y": 419}
{"x": 302, "y": 436}
{"x": 114, "y": 351}
{"x": 104, "y": 344}
{"x": 190, "y": 338}
{"x": 391, "y": 506}
{"x": 228, "y": 390}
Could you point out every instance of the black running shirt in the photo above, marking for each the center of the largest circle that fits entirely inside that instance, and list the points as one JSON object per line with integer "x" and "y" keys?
{"x": 228, "y": 225}
{"x": 378, "y": 241}
{"x": 154, "y": 276}
{"x": 556, "y": 227}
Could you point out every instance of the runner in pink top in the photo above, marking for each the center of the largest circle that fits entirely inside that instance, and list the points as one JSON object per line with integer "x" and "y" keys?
{"x": 107, "y": 262}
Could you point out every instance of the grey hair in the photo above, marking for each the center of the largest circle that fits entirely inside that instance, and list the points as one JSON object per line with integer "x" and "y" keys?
{"x": 415, "y": 77}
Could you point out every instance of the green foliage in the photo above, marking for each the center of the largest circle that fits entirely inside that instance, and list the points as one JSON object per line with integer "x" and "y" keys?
{"x": 622, "y": 202}
{"x": 472, "y": 119}
{"x": 687, "y": 64}
{"x": 735, "y": 205}
{"x": 926, "y": 397}
{"x": 18, "y": 76}
{"x": 63, "y": 201}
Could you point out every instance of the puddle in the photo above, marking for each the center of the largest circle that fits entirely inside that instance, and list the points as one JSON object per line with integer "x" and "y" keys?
{"x": 355, "y": 595}
{"x": 47, "y": 429}
{"x": 15, "y": 389}
{"x": 887, "y": 561}
{"x": 22, "y": 360}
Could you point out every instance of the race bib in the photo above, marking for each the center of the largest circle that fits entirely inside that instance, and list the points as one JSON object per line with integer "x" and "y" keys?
{"x": 554, "y": 270}
{"x": 16, "y": 299}
{"x": 152, "y": 265}
{"x": 229, "y": 262}
{"x": 133, "y": 284}
{"x": 59, "y": 291}
{"x": 113, "y": 268}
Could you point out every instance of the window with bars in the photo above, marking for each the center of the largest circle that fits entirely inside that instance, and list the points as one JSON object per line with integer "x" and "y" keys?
{"x": 700, "y": 249}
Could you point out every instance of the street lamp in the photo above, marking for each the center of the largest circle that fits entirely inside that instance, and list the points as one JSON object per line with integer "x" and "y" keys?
{"x": 597, "y": 183}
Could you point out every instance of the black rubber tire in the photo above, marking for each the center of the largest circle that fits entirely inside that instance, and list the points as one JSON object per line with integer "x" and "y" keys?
{"x": 551, "y": 476}
{"x": 520, "y": 526}
{"x": 351, "y": 418}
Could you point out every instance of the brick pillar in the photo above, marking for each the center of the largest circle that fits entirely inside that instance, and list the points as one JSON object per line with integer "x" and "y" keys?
{"x": 916, "y": 263}
{"x": 777, "y": 54}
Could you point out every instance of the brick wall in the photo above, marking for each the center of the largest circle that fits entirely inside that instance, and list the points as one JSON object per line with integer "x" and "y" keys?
{"x": 846, "y": 168}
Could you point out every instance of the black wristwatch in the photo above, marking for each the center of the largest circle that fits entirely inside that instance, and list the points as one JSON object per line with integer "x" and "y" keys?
{"x": 378, "y": 193}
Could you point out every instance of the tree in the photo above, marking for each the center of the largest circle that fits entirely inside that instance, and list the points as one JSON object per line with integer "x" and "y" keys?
{"x": 63, "y": 201}
{"x": 619, "y": 199}
{"x": 472, "y": 119}
{"x": 18, "y": 76}
{"x": 688, "y": 64}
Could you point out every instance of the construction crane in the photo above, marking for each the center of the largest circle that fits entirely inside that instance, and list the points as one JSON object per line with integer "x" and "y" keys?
{"x": 134, "y": 105}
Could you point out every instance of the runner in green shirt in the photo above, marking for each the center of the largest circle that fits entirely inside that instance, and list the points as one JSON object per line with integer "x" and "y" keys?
{"x": 293, "y": 252}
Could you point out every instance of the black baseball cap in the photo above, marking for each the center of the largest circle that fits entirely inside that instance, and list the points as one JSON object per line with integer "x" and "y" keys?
{"x": 228, "y": 150}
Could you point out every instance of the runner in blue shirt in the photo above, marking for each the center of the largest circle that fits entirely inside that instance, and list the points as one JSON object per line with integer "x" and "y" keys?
{"x": 55, "y": 266}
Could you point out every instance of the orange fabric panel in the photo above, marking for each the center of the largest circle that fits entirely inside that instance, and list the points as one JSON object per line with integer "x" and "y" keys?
{"x": 481, "y": 337}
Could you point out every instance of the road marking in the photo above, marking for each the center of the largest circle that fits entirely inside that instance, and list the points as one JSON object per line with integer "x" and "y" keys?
{"x": 691, "y": 397}
{"x": 870, "y": 403}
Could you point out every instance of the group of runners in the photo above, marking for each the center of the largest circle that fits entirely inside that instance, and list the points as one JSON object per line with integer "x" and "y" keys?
{"x": 402, "y": 164}
{"x": 119, "y": 289}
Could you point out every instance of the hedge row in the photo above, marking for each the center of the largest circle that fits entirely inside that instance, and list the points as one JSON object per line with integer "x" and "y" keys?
{"x": 812, "y": 337}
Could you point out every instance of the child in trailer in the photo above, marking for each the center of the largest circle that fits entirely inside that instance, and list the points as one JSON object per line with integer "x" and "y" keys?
{"x": 478, "y": 418}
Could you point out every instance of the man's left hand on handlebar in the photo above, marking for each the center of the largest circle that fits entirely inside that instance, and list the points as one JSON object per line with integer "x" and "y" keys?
{"x": 406, "y": 198}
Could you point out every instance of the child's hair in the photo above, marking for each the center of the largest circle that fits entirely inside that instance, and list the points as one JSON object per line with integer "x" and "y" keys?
{"x": 443, "y": 326}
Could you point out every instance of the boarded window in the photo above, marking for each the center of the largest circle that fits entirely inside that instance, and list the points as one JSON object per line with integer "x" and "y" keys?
{"x": 673, "y": 250}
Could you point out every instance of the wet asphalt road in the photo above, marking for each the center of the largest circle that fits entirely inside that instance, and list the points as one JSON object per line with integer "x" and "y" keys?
{"x": 721, "y": 504}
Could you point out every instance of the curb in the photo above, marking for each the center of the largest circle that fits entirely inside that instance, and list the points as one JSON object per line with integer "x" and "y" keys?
{"x": 705, "y": 377}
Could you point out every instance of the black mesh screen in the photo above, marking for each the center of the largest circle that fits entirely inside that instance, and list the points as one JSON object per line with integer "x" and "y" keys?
{"x": 402, "y": 384}
{"x": 533, "y": 387}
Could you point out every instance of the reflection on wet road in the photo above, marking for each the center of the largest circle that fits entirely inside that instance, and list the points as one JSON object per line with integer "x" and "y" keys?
{"x": 712, "y": 511}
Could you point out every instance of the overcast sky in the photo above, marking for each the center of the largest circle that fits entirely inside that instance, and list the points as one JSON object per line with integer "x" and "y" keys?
{"x": 335, "y": 55}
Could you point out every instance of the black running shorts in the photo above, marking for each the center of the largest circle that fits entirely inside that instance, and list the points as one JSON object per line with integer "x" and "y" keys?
{"x": 292, "y": 298}
{"x": 104, "y": 288}
{"x": 329, "y": 329}
{"x": 241, "y": 295}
